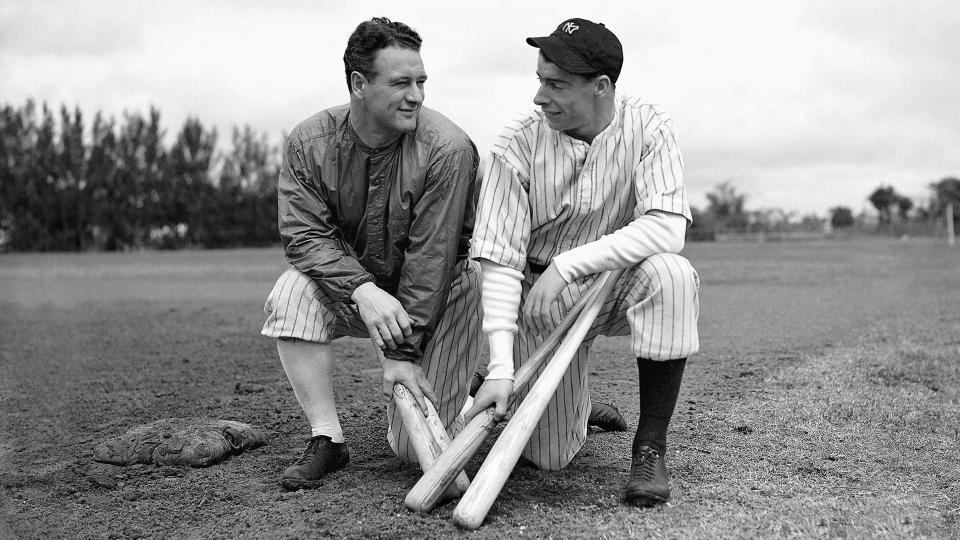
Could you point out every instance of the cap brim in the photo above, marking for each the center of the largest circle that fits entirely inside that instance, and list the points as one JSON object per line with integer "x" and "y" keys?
{"x": 558, "y": 53}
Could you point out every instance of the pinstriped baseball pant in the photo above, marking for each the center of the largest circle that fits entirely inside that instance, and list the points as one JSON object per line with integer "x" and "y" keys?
{"x": 655, "y": 302}
{"x": 297, "y": 309}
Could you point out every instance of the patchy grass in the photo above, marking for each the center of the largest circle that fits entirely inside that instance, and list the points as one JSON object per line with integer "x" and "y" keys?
{"x": 856, "y": 442}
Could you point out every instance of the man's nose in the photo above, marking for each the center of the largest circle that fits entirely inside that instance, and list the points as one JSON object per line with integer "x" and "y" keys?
{"x": 540, "y": 98}
{"x": 415, "y": 94}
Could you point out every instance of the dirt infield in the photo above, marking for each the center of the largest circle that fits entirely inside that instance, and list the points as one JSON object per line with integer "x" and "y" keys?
{"x": 825, "y": 402}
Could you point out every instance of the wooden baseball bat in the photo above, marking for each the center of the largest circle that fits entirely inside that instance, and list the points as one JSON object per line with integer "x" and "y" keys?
{"x": 428, "y": 491}
{"x": 427, "y": 435}
{"x": 476, "y": 502}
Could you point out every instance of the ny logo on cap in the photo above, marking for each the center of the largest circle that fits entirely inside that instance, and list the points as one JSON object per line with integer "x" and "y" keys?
{"x": 570, "y": 27}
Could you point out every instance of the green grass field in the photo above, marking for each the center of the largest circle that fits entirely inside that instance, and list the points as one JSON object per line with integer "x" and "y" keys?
{"x": 825, "y": 403}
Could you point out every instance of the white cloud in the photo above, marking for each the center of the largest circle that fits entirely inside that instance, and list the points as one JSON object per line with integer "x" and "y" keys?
{"x": 67, "y": 29}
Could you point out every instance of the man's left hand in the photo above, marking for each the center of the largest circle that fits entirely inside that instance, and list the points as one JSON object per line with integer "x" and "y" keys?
{"x": 495, "y": 392}
{"x": 536, "y": 309}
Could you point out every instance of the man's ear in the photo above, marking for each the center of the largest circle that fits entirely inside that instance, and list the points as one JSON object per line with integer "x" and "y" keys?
{"x": 358, "y": 84}
{"x": 603, "y": 85}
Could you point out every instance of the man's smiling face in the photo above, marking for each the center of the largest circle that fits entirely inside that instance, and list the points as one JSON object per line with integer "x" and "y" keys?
{"x": 394, "y": 93}
{"x": 566, "y": 99}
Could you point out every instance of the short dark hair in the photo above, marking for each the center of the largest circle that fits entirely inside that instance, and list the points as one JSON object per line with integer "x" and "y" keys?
{"x": 371, "y": 36}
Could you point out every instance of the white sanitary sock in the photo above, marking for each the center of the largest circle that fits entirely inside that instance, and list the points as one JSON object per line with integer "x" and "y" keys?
{"x": 309, "y": 368}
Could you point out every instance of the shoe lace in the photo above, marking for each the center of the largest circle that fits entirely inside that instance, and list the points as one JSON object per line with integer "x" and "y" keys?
{"x": 645, "y": 465}
{"x": 308, "y": 453}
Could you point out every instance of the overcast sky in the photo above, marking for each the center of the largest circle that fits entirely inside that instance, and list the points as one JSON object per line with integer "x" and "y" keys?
{"x": 801, "y": 105}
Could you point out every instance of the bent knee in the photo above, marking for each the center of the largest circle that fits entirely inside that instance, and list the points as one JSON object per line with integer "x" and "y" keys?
{"x": 295, "y": 309}
{"x": 669, "y": 270}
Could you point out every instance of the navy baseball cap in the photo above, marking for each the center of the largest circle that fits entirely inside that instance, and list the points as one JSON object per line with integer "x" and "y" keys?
{"x": 581, "y": 46}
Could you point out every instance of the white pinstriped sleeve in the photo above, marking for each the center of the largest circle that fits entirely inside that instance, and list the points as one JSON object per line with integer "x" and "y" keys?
{"x": 658, "y": 177}
{"x": 502, "y": 227}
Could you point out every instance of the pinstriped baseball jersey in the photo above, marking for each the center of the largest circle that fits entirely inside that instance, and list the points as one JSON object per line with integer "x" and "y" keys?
{"x": 545, "y": 192}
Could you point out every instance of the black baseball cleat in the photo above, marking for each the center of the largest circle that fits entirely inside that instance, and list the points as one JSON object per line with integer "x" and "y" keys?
{"x": 321, "y": 457}
{"x": 649, "y": 483}
{"x": 606, "y": 417}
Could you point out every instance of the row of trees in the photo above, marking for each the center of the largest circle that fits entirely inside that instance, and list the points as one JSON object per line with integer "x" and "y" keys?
{"x": 726, "y": 212}
{"x": 110, "y": 185}
{"x": 895, "y": 212}
{"x": 66, "y": 185}
{"x": 889, "y": 203}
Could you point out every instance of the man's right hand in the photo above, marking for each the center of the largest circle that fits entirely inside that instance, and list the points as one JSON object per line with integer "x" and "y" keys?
{"x": 387, "y": 322}
{"x": 492, "y": 392}
{"x": 411, "y": 376}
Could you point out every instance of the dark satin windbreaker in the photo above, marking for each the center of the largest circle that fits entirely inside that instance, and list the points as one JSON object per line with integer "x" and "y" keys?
{"x": 400, "y": 216}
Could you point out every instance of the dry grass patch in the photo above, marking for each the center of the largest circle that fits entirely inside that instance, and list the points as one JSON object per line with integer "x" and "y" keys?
{"x": 857, "y": 442}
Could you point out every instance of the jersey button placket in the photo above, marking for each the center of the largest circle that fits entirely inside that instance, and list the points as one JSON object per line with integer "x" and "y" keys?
{"x": 584, "y": 189}
{"x": 376, "y": 224}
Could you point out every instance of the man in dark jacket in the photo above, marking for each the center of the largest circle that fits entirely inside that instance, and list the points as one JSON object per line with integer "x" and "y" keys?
{"x": 375, "y": 213}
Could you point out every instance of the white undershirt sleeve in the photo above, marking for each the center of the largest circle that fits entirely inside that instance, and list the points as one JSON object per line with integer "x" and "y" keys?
{"x": 500, "y": 296}
{"x": 653, "y": 232}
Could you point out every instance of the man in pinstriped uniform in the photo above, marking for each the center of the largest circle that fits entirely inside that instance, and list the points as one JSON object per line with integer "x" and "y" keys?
{"x": 376, "y": 206}
{"x": 592, "y": 181}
